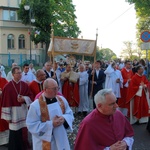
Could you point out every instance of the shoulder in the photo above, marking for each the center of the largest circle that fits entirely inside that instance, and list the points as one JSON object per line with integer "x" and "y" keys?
{"x": 61, "y": 97}
{"x": 24, "y": 84}
{"x": 33, "y": 82}
{"x": 119, "y": 114}
{"x": 35, "y": 104}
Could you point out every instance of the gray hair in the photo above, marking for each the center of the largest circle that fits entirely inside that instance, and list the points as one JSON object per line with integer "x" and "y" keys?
{"x": 100, "y": 96}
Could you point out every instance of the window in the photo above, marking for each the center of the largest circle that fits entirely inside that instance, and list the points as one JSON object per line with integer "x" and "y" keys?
{"x": 5, "y": 14}
{"x": 21, "y": 41}
{"x": 13, "y": 15}
{"x": 9, "y": 15}
{"x": 10, "y": 41}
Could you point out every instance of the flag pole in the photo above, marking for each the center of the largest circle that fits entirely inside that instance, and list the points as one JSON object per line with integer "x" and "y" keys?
{"x": 94, "y": 62}
{"x": 52, "y": 37}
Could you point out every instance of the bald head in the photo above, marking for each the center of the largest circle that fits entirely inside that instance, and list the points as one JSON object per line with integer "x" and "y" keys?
{"x": 40, "y": 75}
{"x": 14, "y": 64}
{"x": 49, "y": 83}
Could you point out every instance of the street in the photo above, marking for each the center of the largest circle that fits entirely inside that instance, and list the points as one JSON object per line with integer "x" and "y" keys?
{"x": 141, "y": 138}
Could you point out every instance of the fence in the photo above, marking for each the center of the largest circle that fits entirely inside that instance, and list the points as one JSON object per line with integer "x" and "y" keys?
{"x": 20, "y": 59}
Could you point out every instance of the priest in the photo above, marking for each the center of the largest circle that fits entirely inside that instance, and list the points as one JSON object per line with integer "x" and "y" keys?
{"x": 138, "y": 98}
{"x": 16, "y": 99}
{"x": 105, "y": 127}
{"x": 49, "y": 118}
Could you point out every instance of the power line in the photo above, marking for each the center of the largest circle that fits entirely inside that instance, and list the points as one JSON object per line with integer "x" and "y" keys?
{"x": 119, "y": 16}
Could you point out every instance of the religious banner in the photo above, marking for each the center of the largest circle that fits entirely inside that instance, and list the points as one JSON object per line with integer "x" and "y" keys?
{"x": 61, "y": 45}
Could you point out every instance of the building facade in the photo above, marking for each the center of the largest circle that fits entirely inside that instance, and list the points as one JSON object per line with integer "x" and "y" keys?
{"x": 15, "y": 37}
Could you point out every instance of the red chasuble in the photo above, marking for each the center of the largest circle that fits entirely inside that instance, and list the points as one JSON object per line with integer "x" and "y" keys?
{"x": 141, "y": 108}
{"x": 3, "y": 123}
{"x": 126, "y": 75}
{"x": 14, "y": 89}
{"x": 98, "y": 131}
{"x": 35, "y": 88}
{"x": 71, "y": 93}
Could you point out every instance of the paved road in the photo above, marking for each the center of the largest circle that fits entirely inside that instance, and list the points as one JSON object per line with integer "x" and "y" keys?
{"x": 142, "y": 138}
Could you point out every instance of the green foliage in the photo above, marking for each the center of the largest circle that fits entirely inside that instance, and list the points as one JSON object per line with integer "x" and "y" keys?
{"x": 143, "y": 15}
{"x": 105, "y": 54}
{"x": 58, "y": 12}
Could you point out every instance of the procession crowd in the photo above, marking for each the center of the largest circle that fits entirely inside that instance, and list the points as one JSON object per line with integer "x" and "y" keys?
{"x": 43, "y": 103}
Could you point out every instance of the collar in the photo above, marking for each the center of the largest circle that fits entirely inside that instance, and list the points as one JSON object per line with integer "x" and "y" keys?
{"x": 38, "y": 81}
{"x": 139, "y": 75}
{"x": 15, "y": 81}
{"x": 50, "y": 100}
{"x": 127, "y": 69}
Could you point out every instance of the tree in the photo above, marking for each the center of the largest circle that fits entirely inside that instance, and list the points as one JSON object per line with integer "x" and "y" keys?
{"x": 129, "y": 52}
{"x": 58, "y": 12}
{"x": 105, "y": 54}
{"x": 141, "y": 7}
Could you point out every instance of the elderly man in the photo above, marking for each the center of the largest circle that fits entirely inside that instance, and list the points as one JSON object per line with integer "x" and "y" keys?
{"x": 48, "y": 69}
{"x": 70, "y": 88}
{"x": 36, "y": 85}
{"x": 48, "y": 119}
{"x": 105, "y": 128}
{"x": 83, "y": 91}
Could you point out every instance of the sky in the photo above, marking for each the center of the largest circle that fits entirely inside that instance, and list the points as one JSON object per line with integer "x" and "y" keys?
{"x": 114, "y": 19}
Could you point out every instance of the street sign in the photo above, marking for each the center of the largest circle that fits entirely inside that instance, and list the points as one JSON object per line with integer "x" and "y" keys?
{"x": 145, "y": 36}
{"x": 145, "y": 46}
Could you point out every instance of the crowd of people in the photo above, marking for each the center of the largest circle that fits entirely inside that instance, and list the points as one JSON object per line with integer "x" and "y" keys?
{"x": 44, "y": 102}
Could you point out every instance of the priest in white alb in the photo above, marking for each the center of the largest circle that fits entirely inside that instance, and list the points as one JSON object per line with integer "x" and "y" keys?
{"x": 49, "y": 118}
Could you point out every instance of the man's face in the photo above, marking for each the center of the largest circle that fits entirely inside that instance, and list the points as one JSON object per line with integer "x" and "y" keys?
{"x": 17, "y": 75}
{"x": 97, "y": 65}
{"x": 109, "y": 106}
{"x": 42, "y": 76}
{"x": 26, "y": 69}
{"x": 68, "y": 68}
{"x": 128, "y": 65}
{"x": 140, "y": 71}
{"x": 52, "y": 90}
{"x": 48, "y": 66}
{"x": 81, "y": 68}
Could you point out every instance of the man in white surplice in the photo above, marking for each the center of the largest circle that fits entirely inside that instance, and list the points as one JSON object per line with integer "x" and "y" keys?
{"x": 53, "y": 130}
{"x": 114, "y": 79}
{"x": 83, "y": 90}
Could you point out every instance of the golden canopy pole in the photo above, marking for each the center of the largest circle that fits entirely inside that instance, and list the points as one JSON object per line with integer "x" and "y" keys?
{"x": 52, "y": 38}
{"x": 94, "y": 62}
{"x": 82, "y": 58}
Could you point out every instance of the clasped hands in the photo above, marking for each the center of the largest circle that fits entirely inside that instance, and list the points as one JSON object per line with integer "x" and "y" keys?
{"x": 58, "y": 120}
{"x": 143, "y": 85}
{"x": 20, "y": 99}
{"x": 120, "y": 145}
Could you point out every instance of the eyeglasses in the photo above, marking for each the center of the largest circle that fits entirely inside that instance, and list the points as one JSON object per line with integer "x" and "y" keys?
{"x": 55, "y": 88}
{"x": 18, "y": 73}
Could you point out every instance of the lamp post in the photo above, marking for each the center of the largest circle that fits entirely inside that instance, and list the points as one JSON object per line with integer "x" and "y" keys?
{"x": 32, "y": 20}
